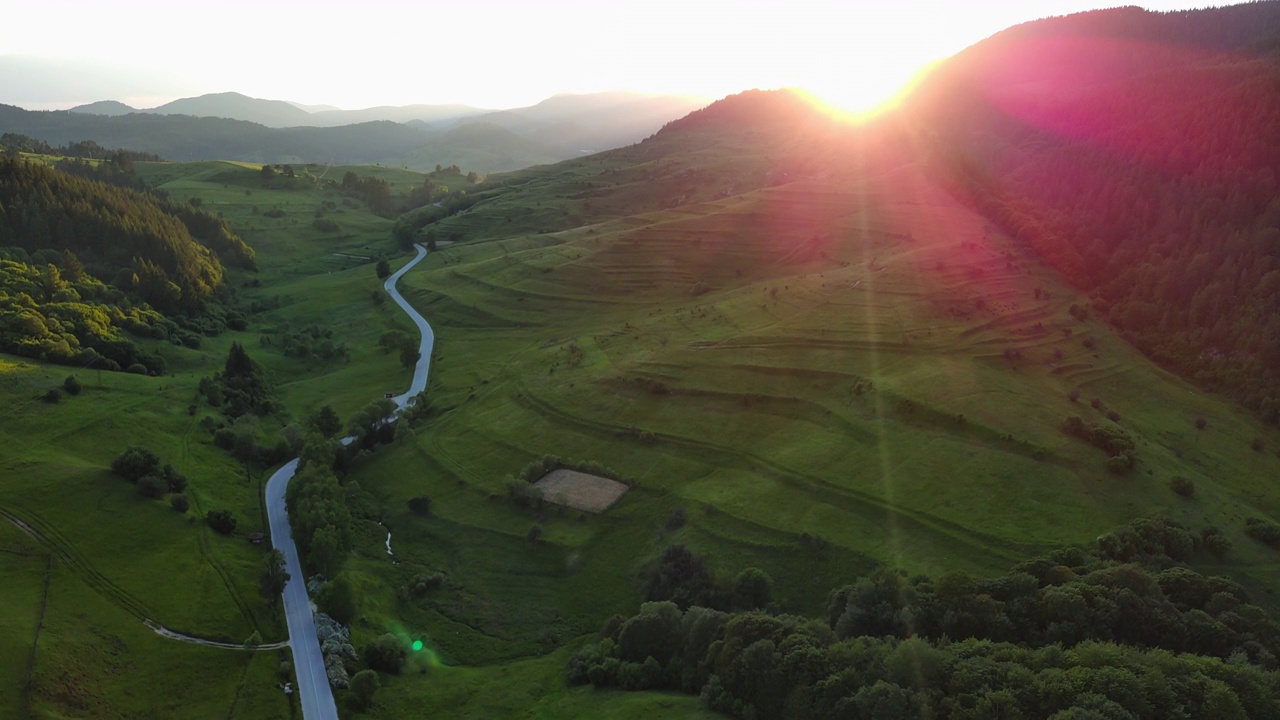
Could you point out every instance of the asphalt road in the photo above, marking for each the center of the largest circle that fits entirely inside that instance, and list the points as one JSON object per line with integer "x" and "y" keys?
{"x": 308, "y": 664}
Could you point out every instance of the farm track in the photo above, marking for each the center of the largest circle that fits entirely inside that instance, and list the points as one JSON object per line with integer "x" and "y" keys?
{"x": 62, "y": 549}
{"x": 787, "y": 407}
{"x": 822, "y": 491}
{"x": 1014, "y": 318}
{"x": 206, "y": 553}
{"x": 522, "y": 295}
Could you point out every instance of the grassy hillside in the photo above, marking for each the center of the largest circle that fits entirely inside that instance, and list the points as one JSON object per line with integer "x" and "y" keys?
{"x": 823, "y": 358}
{"x": 119, "y": 557}
{"x": 116, "y": 555}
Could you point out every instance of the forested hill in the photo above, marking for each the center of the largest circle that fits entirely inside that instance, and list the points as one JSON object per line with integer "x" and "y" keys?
{"x": 182, "y": 137}
{"x": 84, "y": 264}
{"x": 121, "y": 236}
{"x": 1138, "y": 153}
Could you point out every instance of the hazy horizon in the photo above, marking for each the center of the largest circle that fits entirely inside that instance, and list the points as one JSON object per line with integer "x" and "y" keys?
{"x": 493, "y": 54}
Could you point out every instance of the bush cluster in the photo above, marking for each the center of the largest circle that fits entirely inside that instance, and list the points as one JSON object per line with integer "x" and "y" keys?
{"x": 1113, "y": 440}
{"x": 1073, "y": 634}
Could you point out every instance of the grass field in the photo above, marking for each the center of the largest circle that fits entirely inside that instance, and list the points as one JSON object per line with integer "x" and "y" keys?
{"x": 129, "y": 558}
{"x": 825, "y": 373}
{"x": 25, "y": 569}
{"x": 857, "y": 358}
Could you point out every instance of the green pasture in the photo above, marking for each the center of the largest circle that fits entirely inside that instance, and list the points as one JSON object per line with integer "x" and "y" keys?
{"x": 96, "y": 661}
{"x": 24, "y": 568}
{"x": 843, "y": 373}
{"x": 862, "y": 361}
{"x": 136, "y": 557}
{"x": 823, "y": 374}
{"x": 532, "y": 688}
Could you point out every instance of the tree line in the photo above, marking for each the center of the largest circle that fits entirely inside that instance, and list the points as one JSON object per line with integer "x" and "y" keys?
{"x": 88, "y": 149}
{"x": 82, "y": 263}
{"x": 120, "y": 235}
{"x": 56, "y": 312}
{"x": 1126, "y": 630}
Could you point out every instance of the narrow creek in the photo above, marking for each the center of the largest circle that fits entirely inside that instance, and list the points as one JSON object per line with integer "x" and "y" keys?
{"x": 392, "y": 554}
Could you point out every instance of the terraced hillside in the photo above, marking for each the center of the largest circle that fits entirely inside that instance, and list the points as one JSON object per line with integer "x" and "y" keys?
{"x": 824, "y": 364}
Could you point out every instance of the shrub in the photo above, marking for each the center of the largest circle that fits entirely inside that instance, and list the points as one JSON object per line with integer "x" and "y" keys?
{"x": 152, "y": 486}
{"x": 385, "y": 654}
{"x": 274, "y": 213}
{"x": 1073, "y": 396}
{"x": 423, "y": 584}
{"x": 534, "y": 533}
{"x": 363, "y": 685}
{"x": 420, "y": 505}
{"x": 1201, "y": 423}
{"x": 137, "y": 369}
{"x": 71, "y": 385}
{"x": 522, "y": 494}
{"x": 1113, "y": 416}
{"x": 324, "y": 225}
{"x": 135, "y": 462}
{"x": 336, "y": 670}
{"x": 224, "y": 438}
{"x": 1120, "y": 464}
{"x": 222, "y": 521}
{"x": 1183, "y": 486}
{"x": 179, "y": 502}
{"x": 752, "y": 589}
{"x": 675, "y": 520}
{"x": 1257, "y": 444}
{"x": 176, "y": 481}
{"x": 1264, "y": 531}
{"x": 338, "y": 600}
{"x": 53, "y": 396}
{"x": 1213, "y": 540}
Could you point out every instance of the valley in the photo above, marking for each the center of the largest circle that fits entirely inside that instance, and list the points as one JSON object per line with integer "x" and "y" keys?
{"x": 900, "y": 433}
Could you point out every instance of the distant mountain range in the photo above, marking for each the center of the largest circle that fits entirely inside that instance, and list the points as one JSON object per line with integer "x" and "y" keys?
{"x": 231, "y": 126}
{"x": 281, "y": 114}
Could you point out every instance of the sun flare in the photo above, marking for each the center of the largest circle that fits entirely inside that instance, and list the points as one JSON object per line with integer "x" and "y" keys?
{"x": 861, "y": 96}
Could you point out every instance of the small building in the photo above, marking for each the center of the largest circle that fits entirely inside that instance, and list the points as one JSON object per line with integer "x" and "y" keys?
{"x": 256, "y": 538}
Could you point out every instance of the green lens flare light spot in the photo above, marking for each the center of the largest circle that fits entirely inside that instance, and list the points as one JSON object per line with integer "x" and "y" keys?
{"x": 417, "y": 645}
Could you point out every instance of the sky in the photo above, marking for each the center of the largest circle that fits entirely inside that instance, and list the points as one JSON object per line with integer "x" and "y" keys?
{"x": 487, "y": 53}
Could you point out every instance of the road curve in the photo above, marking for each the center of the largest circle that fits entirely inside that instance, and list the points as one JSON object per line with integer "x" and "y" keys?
{"x": 313, "y": 684}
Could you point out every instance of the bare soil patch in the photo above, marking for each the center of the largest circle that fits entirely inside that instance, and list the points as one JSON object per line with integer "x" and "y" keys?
{"x": 580, "y": 491}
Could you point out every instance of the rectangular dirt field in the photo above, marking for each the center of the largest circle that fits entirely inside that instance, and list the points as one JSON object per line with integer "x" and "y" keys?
{"x": 580, "y": 491}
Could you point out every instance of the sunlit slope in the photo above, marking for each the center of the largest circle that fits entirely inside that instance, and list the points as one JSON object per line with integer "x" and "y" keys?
{"x": 847, "y": 352}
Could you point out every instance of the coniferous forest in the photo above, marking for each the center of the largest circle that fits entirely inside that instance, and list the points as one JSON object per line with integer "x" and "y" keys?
{"x": 83, "y": 263}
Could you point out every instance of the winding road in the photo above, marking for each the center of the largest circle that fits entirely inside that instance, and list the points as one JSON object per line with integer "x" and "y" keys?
{"x": 308, "y": 663}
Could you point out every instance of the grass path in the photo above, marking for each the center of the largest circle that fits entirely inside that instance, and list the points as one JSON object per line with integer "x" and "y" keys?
{"x": 83, "y": 570}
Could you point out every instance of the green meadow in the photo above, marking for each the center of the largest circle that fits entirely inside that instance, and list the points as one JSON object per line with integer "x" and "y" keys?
{"x": 824, "y": 374}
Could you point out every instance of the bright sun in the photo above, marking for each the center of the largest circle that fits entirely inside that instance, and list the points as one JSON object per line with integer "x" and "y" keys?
{"x": 868, "y": 92}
